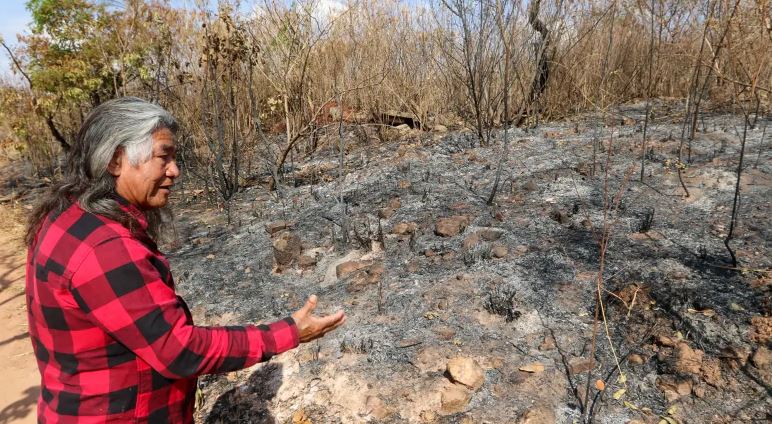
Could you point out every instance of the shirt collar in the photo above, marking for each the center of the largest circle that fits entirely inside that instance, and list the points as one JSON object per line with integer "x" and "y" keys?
{"x": 132, "y": 210}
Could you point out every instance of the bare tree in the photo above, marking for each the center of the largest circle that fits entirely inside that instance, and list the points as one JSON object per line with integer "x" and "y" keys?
{"x": 543, "y": 57}
{"x": 470, "y": 53}
{"x": 648, "y": 91}
{"x": 506, "y": 18}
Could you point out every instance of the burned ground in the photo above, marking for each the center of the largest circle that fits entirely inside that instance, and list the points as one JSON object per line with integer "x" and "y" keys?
{"x": 515, "y": 287}
{"x": 428, "y": 272}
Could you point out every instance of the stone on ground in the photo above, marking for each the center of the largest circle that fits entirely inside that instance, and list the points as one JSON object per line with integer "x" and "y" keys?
{"x": 451, "y": 226}
{"x": 467, "y": 372}
{"x": 454, "y": 399}
{"x": 286, "y": 248}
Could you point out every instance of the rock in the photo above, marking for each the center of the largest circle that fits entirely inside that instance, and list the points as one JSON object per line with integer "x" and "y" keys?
{"x": 548, "y": 343}
{"x": 538, "y": 415}
{"x": 471, "y": 241}
{"x": 666, "y": 341}
{"x": 673, "y": 388}
{"x": 440, "y": 128}
{"x": 761, "y": 329}
{"x": 404, "y": 228}
{"x": 299, "y": 417}
{"x": 761, "y": 358}
{"x": 534, "y": 367}
{"x": 711, "y": 372}
{"x": 559, "y": 216}
{"x": 390, "y": 209}
{"x": 467, "y": 372}
{"x": 274, "y": 227}
{"x": 499, "y": 251}
{"x": 490, "y": 234}
{"x": 699, "y": 391}
{"x": 386, "y": 213}
{"x": 286, "y": 248}
{"x": 580, "y": 365}
{"x": 307, "y": 261}
{"x": 684, "y": 387}
{"x": 364, "y": 277}
{"x": 428, "y": 416}
{"x": 444, "y": 332}
{"x": 530, "y": 186}
{"x": 377, "y": 409}
{"x": 449, "y": 227}
{"x": 346, "y": 268}
{"x": 454, "y": 399}
{"x": 403, "y": 128}
{"x": 635, "y": 359}
{"x": 688, "y": 360}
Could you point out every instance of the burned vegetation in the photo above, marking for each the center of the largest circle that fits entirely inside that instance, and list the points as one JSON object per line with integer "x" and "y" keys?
{"x": 577, "y": 295}
{"x": 531, "y": 212}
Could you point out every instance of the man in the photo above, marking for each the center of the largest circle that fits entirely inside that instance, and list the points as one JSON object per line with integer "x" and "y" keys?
{"x": 113, "y": 341}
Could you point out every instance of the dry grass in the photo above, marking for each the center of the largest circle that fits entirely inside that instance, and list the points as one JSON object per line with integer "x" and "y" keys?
{"x": 232, "y": 76}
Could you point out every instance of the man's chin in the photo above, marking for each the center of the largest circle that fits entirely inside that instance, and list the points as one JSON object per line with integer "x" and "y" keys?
{"x": 156, "y": 203}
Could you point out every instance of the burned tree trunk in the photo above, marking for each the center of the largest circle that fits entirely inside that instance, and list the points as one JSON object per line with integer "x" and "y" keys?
{"x": 543, "y": 56}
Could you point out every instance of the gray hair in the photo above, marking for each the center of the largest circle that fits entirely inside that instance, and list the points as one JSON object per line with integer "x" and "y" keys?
{"x": 126, "y": 123}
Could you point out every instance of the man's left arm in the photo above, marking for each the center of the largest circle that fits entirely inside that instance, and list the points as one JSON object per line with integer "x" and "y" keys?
{"x": 121, "y": 289}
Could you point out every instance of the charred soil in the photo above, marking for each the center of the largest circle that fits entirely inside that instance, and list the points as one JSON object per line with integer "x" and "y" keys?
{"x": 460, "y": 311}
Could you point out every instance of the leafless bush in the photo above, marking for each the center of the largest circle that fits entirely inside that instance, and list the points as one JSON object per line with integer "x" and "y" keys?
{"x": 255, "y": 90}
{"x": 500, "y": 300}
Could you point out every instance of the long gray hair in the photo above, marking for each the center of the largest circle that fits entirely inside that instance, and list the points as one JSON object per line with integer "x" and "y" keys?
{"x": 127, "y": 123}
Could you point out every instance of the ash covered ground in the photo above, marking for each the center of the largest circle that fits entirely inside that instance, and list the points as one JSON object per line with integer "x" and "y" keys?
{"x": 463, "y": 312}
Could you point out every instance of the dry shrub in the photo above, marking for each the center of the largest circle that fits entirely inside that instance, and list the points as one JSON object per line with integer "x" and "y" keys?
{"x": 230, "y": 75}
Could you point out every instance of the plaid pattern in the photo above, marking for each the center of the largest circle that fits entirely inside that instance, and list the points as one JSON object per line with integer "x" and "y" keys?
{"x": 113, "y": 341}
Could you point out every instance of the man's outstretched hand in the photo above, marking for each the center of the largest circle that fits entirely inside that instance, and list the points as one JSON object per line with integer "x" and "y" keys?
{"x": 311, "y": 327}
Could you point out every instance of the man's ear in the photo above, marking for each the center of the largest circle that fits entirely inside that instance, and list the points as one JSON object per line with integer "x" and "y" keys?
{"x": 114, "y": 167}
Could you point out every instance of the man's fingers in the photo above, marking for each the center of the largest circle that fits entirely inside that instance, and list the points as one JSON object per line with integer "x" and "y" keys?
{"x": 326, "y": 330}
{"x": 310, "y": 305}
{"x": 312, "y": 327}
{"x": 330, "y": 320}
{"x": 335, "y": 325}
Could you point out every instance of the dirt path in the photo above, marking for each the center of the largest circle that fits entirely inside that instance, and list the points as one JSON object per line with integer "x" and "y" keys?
{"x": 18, "y": 371}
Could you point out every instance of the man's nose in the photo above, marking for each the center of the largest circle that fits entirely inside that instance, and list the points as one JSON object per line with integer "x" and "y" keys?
{"x": 173, "y": 171}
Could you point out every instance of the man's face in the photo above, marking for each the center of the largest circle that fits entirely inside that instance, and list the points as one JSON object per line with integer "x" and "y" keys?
{"x": 148, "y": 185}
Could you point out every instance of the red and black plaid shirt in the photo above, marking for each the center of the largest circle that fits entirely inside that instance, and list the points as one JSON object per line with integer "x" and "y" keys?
{"x": 113, "y": 341}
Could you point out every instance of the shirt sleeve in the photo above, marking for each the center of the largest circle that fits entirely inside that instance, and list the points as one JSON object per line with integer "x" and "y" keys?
{"x": 120, "y": 287}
